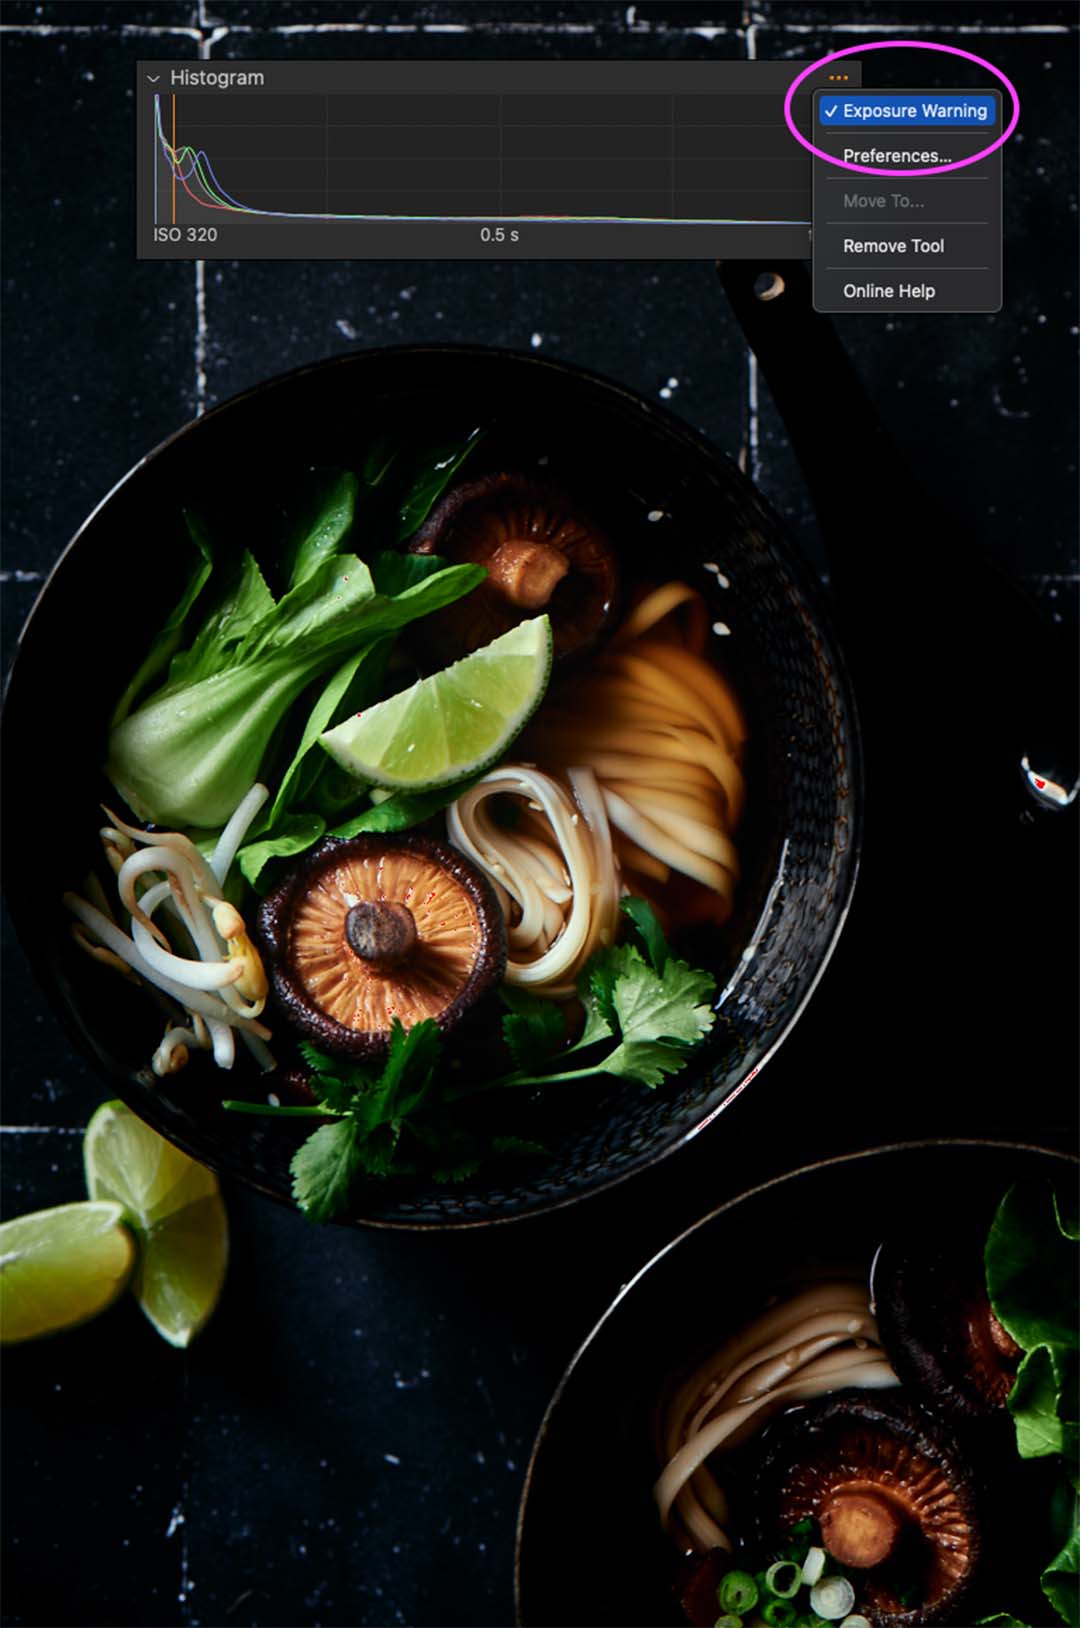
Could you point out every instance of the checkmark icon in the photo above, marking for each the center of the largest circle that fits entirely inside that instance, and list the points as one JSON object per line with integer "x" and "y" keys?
{"x": 829, "y": 111}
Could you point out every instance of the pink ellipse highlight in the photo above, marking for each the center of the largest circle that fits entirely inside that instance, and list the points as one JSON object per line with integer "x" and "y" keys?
{"x": 894, "y": 45}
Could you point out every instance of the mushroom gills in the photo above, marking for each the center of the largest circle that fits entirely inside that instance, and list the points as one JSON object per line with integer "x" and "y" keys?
{"x": 893, "y": 1499}
{"x": 375, "y": 929}
{"x": 542, "y": 552}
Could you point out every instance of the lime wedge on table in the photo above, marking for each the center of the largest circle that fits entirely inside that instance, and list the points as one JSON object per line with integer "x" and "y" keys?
{"x": 454, "y": 723}
{"x": 61, "y": 1267}
{"x": 174, "y": 1207}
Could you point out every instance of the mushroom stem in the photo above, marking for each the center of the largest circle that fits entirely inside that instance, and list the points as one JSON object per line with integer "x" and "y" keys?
{"x": 384, "y": 934}
{"x": 860, "y": 1528}
{"x": 526, "y": 573}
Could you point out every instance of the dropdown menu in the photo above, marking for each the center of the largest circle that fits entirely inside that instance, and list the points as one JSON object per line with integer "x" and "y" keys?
{"x": 907, "y": 242}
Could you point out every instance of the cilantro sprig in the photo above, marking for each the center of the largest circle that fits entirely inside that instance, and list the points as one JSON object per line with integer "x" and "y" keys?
{"x": 645, "y": 1011}
{"x": 650, "y": 1010}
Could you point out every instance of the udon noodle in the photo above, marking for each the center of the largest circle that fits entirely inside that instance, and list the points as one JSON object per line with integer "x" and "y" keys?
{"x": 554, "y": 871}
{"x": 663, "y": 733}
{"x": 821, "y": 1340}
{"x": 637, "y": 770}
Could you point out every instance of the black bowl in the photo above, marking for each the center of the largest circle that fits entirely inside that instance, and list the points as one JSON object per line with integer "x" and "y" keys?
{"x": 677, "y": 507}
{"x": 589, "y": 1547}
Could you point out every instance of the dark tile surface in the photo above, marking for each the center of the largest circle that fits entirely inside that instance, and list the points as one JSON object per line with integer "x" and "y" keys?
{"x": 101, "y": 347}
{"x": 93, "y": 1449}
{"x": 986, "y": 387}
{"x": 104, "y": 14}
{"x": 347, "y": 1442}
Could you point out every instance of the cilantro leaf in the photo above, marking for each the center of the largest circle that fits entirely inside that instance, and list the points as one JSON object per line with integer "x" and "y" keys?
{"x": 533, "y": 1028}
{"x": 596, "y": 989}
{"x": 655, "y": 1018}
{"x": 317, "y": 1060}
{"x": 410, "y": 1063}
{"x": 324, "y": 1169}
{"x": 643, "y": 916}
{"x": 334, "y": 1092}
{"x": 660, "y": 1018}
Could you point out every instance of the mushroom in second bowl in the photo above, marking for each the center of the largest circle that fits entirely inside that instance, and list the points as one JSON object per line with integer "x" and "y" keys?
{"x": 939, "y": 1328}
{"x": 894, "y": 1501}
{"x": 376, "y": 928}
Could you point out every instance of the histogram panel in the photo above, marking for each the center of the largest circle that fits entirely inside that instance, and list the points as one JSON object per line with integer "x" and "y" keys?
{"x": 469, "y": 160}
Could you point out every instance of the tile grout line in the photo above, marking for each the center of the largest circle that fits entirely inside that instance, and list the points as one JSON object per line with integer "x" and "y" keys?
{"x": 753, "y": 424}
{"x": 207, "y": 41}
{"x": 630, "y": 26}
{"x": 41, "y": 1130}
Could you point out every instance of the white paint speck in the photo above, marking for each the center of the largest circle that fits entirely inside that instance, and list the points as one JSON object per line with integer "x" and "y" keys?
{"x": 536, "y": 340}
{"x": 721, "y": 629}
{"x": 391, "y": 1458}
{"x": 655, "y": 514}
{"x": 345, "y": 328}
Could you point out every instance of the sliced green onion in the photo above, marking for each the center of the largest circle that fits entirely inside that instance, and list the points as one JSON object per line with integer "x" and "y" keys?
{"x": 813, "y": 1566}
{"x": 799, "y": 1536}
{"x": 737, "y": 1592}
{"x": 833, "y": 1598}
{"x": 779, "y": 1613}
{"x": 784, "y": 1579}
{"x": 728, "y": 1621}
{"x": 855, "y": 1622}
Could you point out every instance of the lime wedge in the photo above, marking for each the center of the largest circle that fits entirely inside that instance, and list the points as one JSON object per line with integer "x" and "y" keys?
{"x": 453, "y": 724}
{"x": 60, "y": 1267}
{"x": 174, "y": 1207}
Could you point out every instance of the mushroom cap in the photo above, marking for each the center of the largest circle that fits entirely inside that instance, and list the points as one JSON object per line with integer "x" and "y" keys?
{"x": 345, "y": 1001}
{"x": 542, "y": 550}
{"x": 937, "y": 1325}
{"x": 885, "y": 1463}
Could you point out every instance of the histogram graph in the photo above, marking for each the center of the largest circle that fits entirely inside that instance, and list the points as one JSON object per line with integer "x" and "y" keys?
{"x": 608, "y": 163}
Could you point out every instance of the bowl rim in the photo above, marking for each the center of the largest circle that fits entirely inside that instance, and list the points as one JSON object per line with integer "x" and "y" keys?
{"x": 794, "y": 563}
{"x": 834, "y": 1160}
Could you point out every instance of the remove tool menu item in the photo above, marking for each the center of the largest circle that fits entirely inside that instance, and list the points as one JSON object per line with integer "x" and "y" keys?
{"x": 907, "y": 242}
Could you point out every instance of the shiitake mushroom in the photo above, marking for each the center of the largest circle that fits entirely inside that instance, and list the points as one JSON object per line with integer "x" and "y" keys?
{"x": 543, "y": 552}
{"x": 894, "y": 1501}
{"x": 375, "y": 928}
{"x": 937, "y": 1324}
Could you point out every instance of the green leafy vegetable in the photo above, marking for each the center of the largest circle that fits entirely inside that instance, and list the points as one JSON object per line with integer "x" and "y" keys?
{"x": 1032, "y": 1283}
{"x": 168, "y": 639}
{"x": 643, "y": 916}
{"x": 324, "y": 1169}
{"x": 655, "y": 1019}
{"x": 314, "y": 789}
{"x": 373, "y": 1106}
{"x": 322, "y": 525}
{"x": 400, "y": 811}
{"x": 1061, "y": 1579}
{"x": 659, "y": 1017}
{"x": 188, "y": 753}
{"x": 533, "y": 1028}
{"x": 1031, "y": 1279}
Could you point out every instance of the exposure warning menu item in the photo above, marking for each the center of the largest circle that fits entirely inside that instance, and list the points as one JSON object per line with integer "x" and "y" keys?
{"x": 885, "y": 243}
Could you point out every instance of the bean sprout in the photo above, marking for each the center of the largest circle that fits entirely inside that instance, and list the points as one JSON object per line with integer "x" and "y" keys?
{"x": 223, "y": 987}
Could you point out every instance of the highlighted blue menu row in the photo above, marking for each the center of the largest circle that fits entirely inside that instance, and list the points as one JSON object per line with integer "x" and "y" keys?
{"x": 878, "y": 111}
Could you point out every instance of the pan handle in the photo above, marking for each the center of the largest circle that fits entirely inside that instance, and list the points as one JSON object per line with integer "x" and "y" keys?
{"x": 884, "y": 532}
{"x": 847, "y": 459}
